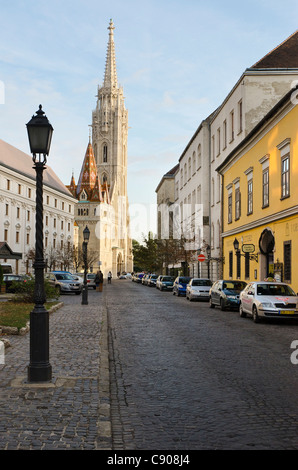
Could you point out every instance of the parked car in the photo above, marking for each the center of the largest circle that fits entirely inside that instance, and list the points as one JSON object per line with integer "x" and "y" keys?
{"x": 226, "y": 293}
{"x": 78, "y": 278}
{"x": 151, "y": 282}
{"x": 91, "y": 280}
{"x": 198, "y": 289}
{"x": 64, "y": 282}
{"x": 268, "y": 300}
{"x": 139, "y": 277}
{"x": 145, "y": 279}
{"x": 180, "y": 283}
{"x": 165, "y": 282}
{"x": 11, "y": 280}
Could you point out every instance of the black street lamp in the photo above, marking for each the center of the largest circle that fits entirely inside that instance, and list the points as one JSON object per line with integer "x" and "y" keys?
{"x": 86, "y": 236}
{"x": 39, "y": 370}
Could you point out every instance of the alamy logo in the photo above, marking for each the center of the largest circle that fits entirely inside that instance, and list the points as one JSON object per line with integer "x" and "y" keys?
{"x": 294, "y": 355}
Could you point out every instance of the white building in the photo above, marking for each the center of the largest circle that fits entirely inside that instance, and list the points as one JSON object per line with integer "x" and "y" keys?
{"x": 17, "y": 209}
{"x": 197, "y": 183}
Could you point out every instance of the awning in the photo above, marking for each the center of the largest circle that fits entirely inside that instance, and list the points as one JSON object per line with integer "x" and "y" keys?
{"x": 7, "y": 253}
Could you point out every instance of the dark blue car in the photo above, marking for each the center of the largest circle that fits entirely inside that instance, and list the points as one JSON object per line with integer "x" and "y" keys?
{"x": 180, "y": 284}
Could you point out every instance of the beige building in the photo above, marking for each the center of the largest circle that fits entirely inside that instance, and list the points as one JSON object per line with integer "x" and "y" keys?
{"x": 101, "y": 190}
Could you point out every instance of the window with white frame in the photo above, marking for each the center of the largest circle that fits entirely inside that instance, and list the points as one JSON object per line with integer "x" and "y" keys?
{"x": 284, "y": 148}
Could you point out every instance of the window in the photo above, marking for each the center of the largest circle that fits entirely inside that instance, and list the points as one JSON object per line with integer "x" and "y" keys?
{"x": 232, "y": 125}
{"x": 237, "y": 203}
{"x": 8, "y": 184}
{"x": 47, "y": 220}
{"x": 287, "y": 261}
{"x": 246, "y": 266}
{"x": 240, "y": 115}
{"x": 105, "y": 154}
{"x": 218, "y": 141}
{"x": 285, "y": 176}
{"x": 18, "y": 212}
{"x": 62, "y": 206}
{"x": 213, "y": 148}
{"x": 17, "y": 237}
{"x": 28, "y": 216}
{"x": 55, "y": 202}
{"x": 199, "y": 156}
{"x": 230, "y": 264}
{"x": 6, "y": 209}
{"x": 265, "y": 184}
{"x": 230, "y": 201}
{"x": 224, "y": 134}
{"x": 5, "y": 235}
{"x": 48, "y": 199}
{"x": 238, "y": 264}
{"x": 284, "y": 148}
{"x": 29, "y": 192}
{"x": 27, "y": 238}
{"x": 19, "y": 189}
{"x": 249, "y": 197}
{"x": 54, "y": 223}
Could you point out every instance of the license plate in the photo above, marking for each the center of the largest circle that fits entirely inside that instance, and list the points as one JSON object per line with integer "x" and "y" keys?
{"x": 287, "y": 312}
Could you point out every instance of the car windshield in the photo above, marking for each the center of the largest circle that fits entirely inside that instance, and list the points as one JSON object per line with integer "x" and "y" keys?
{"x": 91, "y": 276}
{"x": 64, "y": 277}
{"x": 154, "y": 277}
{"x": 167, "y": 278}
{"x": 274, "y": 289}
{"x": 201, "y": 282}
{"x": 184, "y": 280}
{"x": 237, "y": 286}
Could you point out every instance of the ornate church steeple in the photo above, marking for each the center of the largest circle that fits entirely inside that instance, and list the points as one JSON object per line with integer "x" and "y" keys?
{"x": 110, "y": 78}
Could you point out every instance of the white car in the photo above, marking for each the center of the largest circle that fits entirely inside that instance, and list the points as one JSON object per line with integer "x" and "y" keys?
{"x": 198, "y": 289}
{"x": 268, "y": 300}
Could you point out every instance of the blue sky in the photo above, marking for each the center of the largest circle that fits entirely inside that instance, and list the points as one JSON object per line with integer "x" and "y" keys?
{"x": 175, "y": 60}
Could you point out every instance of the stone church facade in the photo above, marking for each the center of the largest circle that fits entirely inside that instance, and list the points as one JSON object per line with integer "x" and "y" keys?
{"x": 101, "y": 190}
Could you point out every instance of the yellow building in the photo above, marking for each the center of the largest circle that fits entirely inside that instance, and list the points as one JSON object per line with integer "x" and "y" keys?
{"x": 260, "y": 199}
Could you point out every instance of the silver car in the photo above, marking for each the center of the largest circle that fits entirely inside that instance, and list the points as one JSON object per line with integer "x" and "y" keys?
{"x": 198, "y": 289}
{"x": 268, "y": 300}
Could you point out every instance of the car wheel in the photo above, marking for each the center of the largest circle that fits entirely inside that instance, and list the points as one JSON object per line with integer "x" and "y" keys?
{"x": 211, "y": 305}
{"x": 58, "y": 289}
{"x": 255, "y": 315}
{"x": 94, "y": 287}
{"x": 222, "y": 305}
{"x": 78, "y": 293}
{"x": 241, "y": 312}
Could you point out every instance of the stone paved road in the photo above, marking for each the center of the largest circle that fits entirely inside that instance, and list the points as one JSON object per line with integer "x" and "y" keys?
{"x": 185, "y": 376}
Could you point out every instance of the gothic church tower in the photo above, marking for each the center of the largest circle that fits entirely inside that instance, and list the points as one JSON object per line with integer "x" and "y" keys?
{"x": 102, "y": 187}
{"x": 110, "y": 126}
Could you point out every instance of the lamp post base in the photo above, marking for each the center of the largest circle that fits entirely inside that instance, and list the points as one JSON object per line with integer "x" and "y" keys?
{"x": 39, "y": 369}
{"x": 85, "y": 295}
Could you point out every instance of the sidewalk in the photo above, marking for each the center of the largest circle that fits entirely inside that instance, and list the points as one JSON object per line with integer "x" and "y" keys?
{"x": 73, "y": 411}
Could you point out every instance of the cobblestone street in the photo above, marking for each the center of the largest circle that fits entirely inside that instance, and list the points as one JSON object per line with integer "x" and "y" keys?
{"x": 189, "y": 377}
{"x": 176, "y": 375}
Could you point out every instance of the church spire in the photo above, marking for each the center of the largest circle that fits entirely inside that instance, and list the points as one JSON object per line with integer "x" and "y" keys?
{"x": 88, "y": 172}
{"x": 110, "y": 78}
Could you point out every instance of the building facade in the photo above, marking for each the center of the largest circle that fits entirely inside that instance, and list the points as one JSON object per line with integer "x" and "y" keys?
{"x": 102, "y": 186}
{"x": 260, "y": 209}
{"x": 17, "y": 212}
{"x": 198, "y": 186}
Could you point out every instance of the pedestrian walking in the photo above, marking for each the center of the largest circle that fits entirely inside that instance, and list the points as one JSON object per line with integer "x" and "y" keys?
{"x": 100, "y": 281}
{"x": 109, "y": 277}
{"x": 97, "y": 280}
